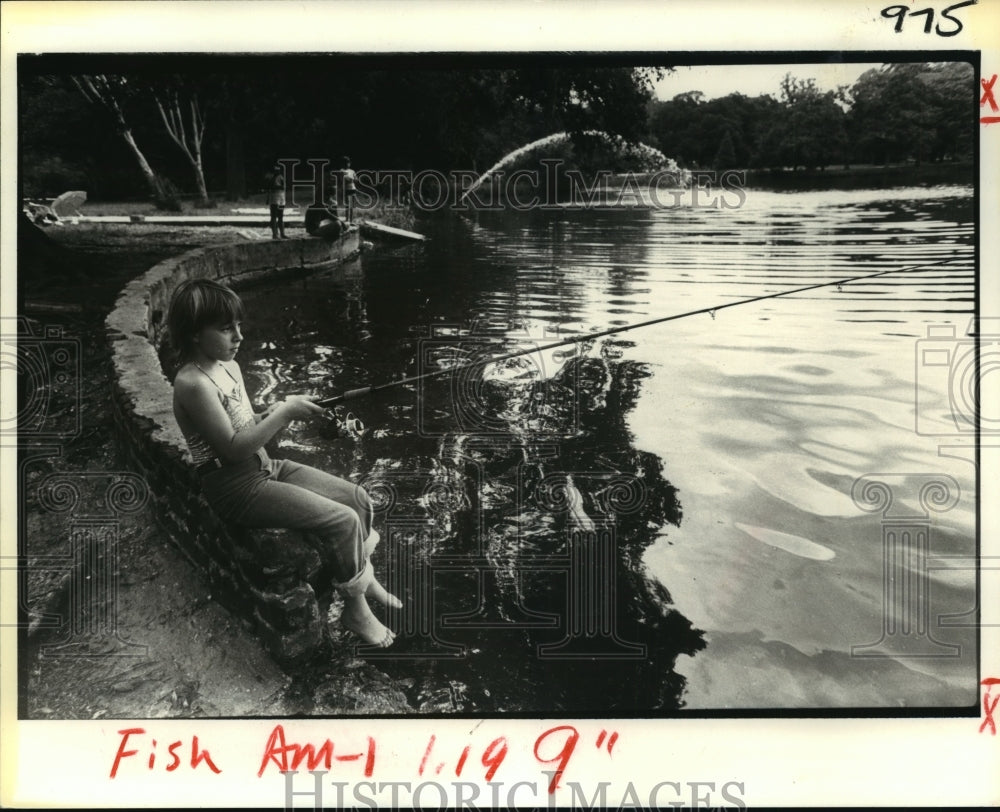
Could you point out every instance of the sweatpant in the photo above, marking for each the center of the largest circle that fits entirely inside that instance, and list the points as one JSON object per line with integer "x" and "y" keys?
{"x": 263, "y": 492}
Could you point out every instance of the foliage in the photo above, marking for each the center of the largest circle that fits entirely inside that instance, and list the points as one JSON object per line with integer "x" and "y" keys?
{"x": 916, "y": 111}
{"x": 225, "y": 122}
{"x": 692, "y": 130}
{"x": 574, "y": 99}
{"x": 220, "y": 123}
{"x": 893, "y": 114}
{"x": 810, "y": 132}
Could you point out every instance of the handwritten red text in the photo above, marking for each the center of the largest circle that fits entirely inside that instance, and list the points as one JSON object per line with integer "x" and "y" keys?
{"x": 988, "y": 99}
{"x": 198, "y": 756}
{"x": 989, "y": 705}
{"x": 290, "y": 756}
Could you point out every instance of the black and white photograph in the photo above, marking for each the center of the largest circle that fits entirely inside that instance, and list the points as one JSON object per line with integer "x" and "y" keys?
{"x": 368, "y": 395}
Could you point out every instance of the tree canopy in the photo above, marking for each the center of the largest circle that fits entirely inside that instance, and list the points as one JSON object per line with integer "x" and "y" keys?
{"x": 919, "y": 110}
{"x": 216, "y": 125}
{"x": 892, "y": 114}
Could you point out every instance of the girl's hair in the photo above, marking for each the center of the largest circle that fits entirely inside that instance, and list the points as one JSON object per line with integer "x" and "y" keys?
{"x": 196, "y": 304}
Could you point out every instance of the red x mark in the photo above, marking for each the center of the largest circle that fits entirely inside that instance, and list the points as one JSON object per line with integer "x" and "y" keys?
{"x": 989, "y": 707}
{"x": 987, "y": 98}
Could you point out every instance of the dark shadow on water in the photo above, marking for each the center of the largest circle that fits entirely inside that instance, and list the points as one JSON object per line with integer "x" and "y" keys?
{"x": 554, "y": 617}
{"x": 514, "y": 529}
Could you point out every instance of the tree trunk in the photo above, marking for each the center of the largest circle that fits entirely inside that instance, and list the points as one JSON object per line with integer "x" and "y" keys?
{"x": 173, "y": 119}
{"x": 199, "y": 170}
{"x": 98, "y": 90}
{"x": 199, "y": 177}
{"x": 155, "y": 186}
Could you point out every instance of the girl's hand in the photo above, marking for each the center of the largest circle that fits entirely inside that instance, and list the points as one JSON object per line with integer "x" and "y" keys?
{"x": 300, "y": 407}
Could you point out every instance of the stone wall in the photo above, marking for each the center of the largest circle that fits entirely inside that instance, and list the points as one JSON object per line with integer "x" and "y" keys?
{"x": 267, "y": 576}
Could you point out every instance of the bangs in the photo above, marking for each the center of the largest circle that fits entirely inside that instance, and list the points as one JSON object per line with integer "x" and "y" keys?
{"x": 197, "y": 304}
{"x": 216, "y": 305}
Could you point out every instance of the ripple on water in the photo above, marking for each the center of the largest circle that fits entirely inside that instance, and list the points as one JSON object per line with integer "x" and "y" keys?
{"x": 836, "y": 454}
{"x": 796, "y": 545}
{"x": 773, "y": 384}
{"x": 809, "y": 369}
{"x": 785, "y": 476}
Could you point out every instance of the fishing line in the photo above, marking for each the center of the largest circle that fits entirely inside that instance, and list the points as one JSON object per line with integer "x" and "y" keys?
{"x": 711, "y": 310}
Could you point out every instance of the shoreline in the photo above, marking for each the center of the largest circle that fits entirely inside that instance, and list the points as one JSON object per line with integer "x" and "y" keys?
{"x": 861, "y": 177}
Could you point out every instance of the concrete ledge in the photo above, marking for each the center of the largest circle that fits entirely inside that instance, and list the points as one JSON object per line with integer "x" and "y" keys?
{"x": 267, "y": 576}
{"x": 249, "y": 220}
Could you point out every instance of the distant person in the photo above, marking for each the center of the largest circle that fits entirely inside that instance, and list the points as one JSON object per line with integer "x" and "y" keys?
{"x": 276, "y": 200}
{"x": 322, "y": 220}
{"x": 349, "y": 182}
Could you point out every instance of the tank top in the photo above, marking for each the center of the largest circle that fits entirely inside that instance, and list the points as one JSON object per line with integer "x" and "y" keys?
{"x": 240, "y": 416}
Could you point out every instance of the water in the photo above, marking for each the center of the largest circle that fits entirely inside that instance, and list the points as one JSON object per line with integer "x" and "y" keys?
{"x": 715, "y": 456}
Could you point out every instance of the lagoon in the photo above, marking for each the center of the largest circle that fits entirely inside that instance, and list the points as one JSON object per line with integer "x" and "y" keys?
{"x": 737, "y": 556}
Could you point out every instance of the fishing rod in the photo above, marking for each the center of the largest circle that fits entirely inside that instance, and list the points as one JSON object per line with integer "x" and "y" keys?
{"x": 351, "y": 394}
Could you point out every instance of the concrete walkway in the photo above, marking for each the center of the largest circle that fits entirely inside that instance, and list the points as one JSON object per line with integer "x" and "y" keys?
{"x": 254, "y": 220}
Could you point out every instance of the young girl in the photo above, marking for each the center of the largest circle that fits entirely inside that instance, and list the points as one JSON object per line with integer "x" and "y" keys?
{"x": 241, "y": 482}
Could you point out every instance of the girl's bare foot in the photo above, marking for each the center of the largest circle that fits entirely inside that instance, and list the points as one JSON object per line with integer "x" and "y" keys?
{"x": 377, "y": 592}
{"x": 357, "y": 617}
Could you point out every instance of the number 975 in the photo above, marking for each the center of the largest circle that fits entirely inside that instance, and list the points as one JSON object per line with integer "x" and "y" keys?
{"x": 902, "y": 12}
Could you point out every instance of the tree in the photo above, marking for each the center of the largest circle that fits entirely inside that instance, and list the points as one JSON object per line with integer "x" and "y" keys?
{"x": 107, "y": 92}
{"x": 691, "y": 130}
{"x": 725, "y": 156}
{"x": 953, "y": 94}
{"x": 177, "y": 101}
{"x": 890, "y": 116}
{"x": 810, "y": 130}
{"x": 575, "y": 99}
{"x": 914, "y": 111}
{"x": 232, "y": 117}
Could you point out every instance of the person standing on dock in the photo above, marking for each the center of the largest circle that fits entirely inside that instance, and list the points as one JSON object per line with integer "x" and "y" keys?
{"x": 349, "y": 182}
{"x": 276, "y": 200}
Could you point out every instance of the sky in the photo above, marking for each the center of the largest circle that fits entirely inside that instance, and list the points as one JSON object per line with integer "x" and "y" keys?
{"x": 753, "y": 80}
